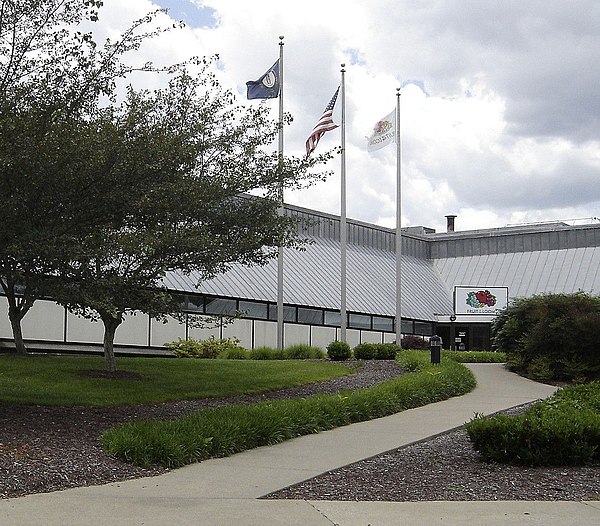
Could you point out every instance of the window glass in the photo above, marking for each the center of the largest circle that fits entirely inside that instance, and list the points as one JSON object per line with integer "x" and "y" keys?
{"x": 195, "y": 303}
{"x": 359, "y": 321}
{"x": 424, "y": 328}
{"x": 407, "y": 327}
{"x": 253, "y": 309}
{"x": 312, "y": 316}
{"x": 220, "y": 306}
{"x": 289, "y": 313}
{"x": 333, "y": 318}
{"x": 383, "y": 324}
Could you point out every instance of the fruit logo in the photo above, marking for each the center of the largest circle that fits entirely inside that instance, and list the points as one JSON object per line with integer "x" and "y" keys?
{"x": 480, "y": 299}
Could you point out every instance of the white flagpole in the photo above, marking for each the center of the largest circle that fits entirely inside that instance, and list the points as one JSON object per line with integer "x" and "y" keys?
{"x": 281, "y": 208}
{"x": 398, "y": 224}
{"x": 343, "y": 315}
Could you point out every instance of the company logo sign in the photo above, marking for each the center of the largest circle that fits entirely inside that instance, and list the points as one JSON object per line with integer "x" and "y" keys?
{"x": 486, "y": 301}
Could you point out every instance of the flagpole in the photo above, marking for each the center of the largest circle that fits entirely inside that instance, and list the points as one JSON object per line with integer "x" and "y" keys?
{"x": 281, "y": 210}
{"x": 398, "y": 224}
{"x": 343, "y": 315}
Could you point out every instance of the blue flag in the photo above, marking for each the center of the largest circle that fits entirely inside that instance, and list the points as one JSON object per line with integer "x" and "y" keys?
{"x": 267, "y": 86}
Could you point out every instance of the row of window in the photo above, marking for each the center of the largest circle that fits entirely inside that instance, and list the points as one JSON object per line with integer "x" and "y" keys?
{"x": 295, "y": 314}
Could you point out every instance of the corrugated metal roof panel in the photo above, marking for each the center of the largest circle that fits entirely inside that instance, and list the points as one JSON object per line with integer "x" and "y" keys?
{"x": 312, "y": 278}
{"x": 527, "y": 273}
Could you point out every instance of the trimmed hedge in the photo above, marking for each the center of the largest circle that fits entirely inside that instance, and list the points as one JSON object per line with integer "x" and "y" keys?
{"x": 338, "y": 351}
{"x": 562, "y": 430}
{"x": 223, "y": 431}
{"x": 376, "y": 351}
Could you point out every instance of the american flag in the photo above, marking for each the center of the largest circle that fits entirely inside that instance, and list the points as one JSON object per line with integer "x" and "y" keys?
{"x": 324, "y": 124}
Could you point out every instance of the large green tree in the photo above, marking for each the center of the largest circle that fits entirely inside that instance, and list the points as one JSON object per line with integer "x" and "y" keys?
{"x": 103, "y": 198}
{"x": 190, "y": 157}
{"x": 52, "y": 76}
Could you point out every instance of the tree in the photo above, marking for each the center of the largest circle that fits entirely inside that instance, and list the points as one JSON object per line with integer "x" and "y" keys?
{"x": 52, "y": 76}
{"x": 189, "y": 157}
{"x": 102, "y": 197}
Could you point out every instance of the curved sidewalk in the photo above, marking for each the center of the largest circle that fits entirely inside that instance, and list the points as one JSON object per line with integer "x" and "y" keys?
{"x": 226, "y": 491}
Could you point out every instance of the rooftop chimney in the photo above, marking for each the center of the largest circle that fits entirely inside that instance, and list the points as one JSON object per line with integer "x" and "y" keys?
{"x": 450, "y": 223}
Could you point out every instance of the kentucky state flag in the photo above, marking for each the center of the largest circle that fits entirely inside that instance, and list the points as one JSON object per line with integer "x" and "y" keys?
{"x": 267, "y": 86}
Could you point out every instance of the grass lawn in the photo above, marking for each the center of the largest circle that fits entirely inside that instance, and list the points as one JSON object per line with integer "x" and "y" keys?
{"x": 66, "y": 380}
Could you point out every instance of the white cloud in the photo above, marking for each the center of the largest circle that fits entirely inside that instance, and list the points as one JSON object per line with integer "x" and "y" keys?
{"x": 501, "y": 123}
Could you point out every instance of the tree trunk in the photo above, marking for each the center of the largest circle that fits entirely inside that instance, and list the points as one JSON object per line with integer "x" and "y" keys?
{"x": 15, "y": 323}
{"x": 18, "y": 306}
{"x": 110, "y": 327}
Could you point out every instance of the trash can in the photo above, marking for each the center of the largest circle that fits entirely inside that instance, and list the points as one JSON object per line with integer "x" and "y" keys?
{"x": 435, "y": 343}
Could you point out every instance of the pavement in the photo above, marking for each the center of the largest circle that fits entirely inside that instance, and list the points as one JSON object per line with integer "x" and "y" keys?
{"x": 227, "y": 491}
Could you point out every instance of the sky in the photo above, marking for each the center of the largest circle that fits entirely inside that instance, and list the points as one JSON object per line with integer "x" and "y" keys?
{"x": 500, "y": 101}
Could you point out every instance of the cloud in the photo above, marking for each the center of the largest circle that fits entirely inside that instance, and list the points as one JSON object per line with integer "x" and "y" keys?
{"x": 500, "y": 102}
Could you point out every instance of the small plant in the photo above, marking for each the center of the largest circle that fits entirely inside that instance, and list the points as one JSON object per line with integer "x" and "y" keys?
{"x": 414, "y": 342}
{"x": 338, "y": 351}
{"x": 303, "y": 352}
{"x": 375, "y": 351}
{"x": 211, "y": 348}
{"x": 266, "y": 353}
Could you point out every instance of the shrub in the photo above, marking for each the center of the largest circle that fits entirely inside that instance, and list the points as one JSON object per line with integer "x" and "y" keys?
{"x": 551, "y": 336}
{"x": 414, "y": 342}
{"x": 375, "y": 351}
{"x": 266, "y": 353}
{"x": 562, "y": 430}
{"x": 303, "y": 352}
{"x": 211, "y": 348}
{"x": 365, "y": 351}
{"x": 338, "y": 351}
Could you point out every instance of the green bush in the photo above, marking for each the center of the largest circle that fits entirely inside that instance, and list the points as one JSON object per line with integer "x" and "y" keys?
{"x": 551, "y": 336}
{"x": 266, "y": 353}
{"x": 365, "y": 351}
{"x": 211, "y": 348}
{"x": 375, "y": 351}
{"x": 303, "y": 352}
{"x": 338, "y": 351}
{"x": 411, "y": 341}
{"x": 223, "y": 431}
{"x": 562, "y": 430}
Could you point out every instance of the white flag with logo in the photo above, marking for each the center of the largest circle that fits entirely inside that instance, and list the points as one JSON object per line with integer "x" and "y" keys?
{"x": 384, "y": 133}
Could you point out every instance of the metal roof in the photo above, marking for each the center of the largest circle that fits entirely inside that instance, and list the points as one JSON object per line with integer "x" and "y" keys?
{"x": 312, "y": 278}
{"x": 527, "y": 273}
{"x": 529, "y": 260}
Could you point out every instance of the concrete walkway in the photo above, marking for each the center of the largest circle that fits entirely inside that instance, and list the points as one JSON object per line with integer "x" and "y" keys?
{"x": 226, "y": 491}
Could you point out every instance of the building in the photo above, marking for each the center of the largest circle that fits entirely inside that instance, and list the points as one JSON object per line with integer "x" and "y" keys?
{"x": 453, "y": 283}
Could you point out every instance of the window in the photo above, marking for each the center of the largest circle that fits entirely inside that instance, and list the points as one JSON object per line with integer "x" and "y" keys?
{"x": 220, "y": 306}
{"x": 289, "y": 313}
{"x": 383, "y": 324}
{"x": 312, "y": 316}
{"x": 423, "y": 328}
{"x": 194, "y": 303}
{"x": 253, "y": 309}
{"x": 359, "y": 321}
{"x": 333, "y": 318}
{"x": 407, "y": 327}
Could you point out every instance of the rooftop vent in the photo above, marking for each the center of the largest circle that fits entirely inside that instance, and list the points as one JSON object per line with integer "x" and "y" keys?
{"x": 450, "y": 223}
